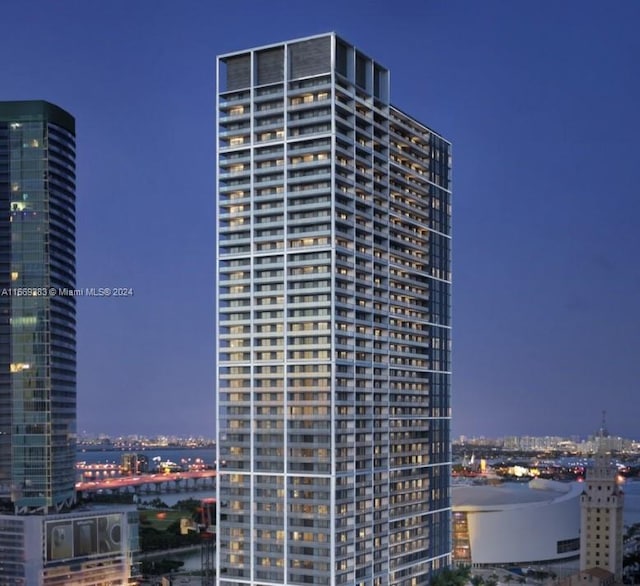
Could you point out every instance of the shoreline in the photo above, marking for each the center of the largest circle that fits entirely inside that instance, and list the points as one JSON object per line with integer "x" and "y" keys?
{"x": 91, "y": 448}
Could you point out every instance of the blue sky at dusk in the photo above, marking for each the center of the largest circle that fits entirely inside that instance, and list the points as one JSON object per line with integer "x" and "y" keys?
{"x": 541, "y": 101}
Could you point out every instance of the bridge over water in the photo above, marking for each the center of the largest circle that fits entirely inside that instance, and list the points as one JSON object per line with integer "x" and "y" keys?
{"x": 151, "y": 483}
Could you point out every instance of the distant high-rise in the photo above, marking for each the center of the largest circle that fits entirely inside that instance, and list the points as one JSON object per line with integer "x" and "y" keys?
{"x": 37, "y": 325}
{"x": 333, "y": 304}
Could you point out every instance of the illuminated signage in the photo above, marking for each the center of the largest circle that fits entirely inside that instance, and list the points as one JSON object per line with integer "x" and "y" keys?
{"x": 82, "y": 537}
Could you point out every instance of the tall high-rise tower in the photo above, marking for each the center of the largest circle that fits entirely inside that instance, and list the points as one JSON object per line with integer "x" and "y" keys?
{"x": 44, "y": 542}
{"x": 601, "y": 519}
{"x": 37, "y": 325}
{"x": 333, "y": 305}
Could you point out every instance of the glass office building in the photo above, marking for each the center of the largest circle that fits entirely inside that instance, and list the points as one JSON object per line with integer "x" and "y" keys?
{"x": 37, "y": 320}
{"x": 333, "y": 308}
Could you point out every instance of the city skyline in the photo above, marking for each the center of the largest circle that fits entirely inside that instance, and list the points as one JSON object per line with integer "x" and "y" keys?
{"x": 540, "y": 103}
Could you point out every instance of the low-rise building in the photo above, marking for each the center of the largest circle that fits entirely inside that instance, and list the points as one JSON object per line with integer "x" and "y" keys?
{"x": 516, "y": 523}
{"x": 90, "y": 547}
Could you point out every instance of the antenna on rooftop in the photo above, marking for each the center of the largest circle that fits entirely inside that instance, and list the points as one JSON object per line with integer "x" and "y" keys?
{"x": 603, "y": 425}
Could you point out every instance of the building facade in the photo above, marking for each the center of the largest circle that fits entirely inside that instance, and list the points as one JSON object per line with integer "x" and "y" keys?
{"x": 37, "y": 325}
{"x": 333, "y": 305}
{"x": 89, "y": 547}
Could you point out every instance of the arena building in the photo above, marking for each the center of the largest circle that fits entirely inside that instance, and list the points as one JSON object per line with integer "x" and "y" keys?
{"x": 516, "y": 523}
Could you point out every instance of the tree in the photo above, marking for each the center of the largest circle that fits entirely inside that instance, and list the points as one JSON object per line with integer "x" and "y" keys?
{"x": 158, "y": 503}
{"x": 452, "y": 577}
{"x": 191, "y": 505}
